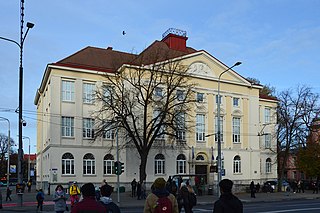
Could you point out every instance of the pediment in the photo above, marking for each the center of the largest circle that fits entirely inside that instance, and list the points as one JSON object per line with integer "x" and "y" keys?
{"x": 203, "y": 65}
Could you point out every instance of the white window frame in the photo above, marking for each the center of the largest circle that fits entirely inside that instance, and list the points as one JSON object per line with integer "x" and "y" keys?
{"x": 200, "y": 127}
{"x": 67, "y": 126}
{"x": 88, "y": 128}
{"x": 237, "y": 165}
{"x": 156, "y": 113}
{"x": 268, "y": 165}
{"x": 108, "y": 164}
{"x": 267, "y": 140}
{"x": 267, "y": 115}
{"x": 109, "y": 132}
{"x": 181, "y": 127}
{"x": 89, "y": 164}
{"x": 67, "y": 167}
{"x": 88, "y": 93}
{"x": 236, "y": 128}
{"x": 67, "y": 90}
{"x": 159, "y": 164}
{"x": 181, "y": 164}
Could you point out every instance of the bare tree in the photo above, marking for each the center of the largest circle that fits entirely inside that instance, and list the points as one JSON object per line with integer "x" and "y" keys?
{"x": 296, "y": 110}
{"x": 3, "y": 151}
{"x": 151, "y": 104}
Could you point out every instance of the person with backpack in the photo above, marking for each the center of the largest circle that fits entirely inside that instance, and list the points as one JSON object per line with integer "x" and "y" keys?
{"x": 74, "y": 192}
{"x": 106, "y": 200}
{"x": 160, "y": 200}
{"x": 227, "y": 201}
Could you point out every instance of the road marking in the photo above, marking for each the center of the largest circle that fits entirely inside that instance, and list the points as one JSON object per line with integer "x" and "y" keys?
{"x": 290, "y": 210}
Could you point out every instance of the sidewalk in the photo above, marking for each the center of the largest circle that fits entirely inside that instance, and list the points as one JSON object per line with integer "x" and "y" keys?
{"x": 126, "y": 201}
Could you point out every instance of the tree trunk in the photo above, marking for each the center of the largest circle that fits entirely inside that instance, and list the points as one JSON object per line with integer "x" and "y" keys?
{"x": 143, "y": 166}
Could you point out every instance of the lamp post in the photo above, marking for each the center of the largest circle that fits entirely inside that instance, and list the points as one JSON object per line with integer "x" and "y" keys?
{"x": 219, "y": 123}
{"x": 20, "y": 120}
{"x": 8, "y": 166}
{"x": 25, "y": 137}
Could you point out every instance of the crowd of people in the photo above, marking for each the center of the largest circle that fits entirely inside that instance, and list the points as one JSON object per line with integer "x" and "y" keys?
{"x": 166, "y": 197}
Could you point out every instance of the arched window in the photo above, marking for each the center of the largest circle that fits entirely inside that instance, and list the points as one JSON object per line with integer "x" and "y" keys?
{"x": 181, "y": 164}
{"x": 89, "y": 167}
{"x": 200, "y": 158}
{"x": 108, "y": 163}
{"x": 67, "y": 164}
{"x": 268, "y": 165}
{"x": 159, "y": 164}
{"x": 237, "y": 164}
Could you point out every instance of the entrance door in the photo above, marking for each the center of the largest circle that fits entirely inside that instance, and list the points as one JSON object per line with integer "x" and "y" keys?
{"x": 202, "y": 170}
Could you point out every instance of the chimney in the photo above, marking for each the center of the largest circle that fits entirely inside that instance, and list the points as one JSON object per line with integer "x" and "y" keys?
{"x": 175, "y": 39}
{"x": 109, "y": 48}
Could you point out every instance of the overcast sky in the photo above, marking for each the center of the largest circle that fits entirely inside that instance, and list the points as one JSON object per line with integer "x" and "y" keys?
{"x": 278, "y": 41}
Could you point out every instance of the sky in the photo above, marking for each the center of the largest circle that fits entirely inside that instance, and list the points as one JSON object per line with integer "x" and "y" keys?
{"x": 277, "y": 41}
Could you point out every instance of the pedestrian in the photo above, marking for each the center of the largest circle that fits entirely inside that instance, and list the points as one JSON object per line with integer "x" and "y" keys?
{"x": 160, "y": 200}
{"x": 143, "y": 190}
{"x": 74, "y": 192}
{"x": 59, "y": 199}
{"x": 40, "y": 198}
{"x": 106, "y": 200}
{"x": 133, "y": 187}
{"x": 171, "y": 186}
{"x": 139, "y": 190}
{"x": 184, "y": 200}
{"x": 29, "y": 185}
{"x": 227, "y": 202}
{"x": 104, "y": 182}
{"x": 252, "y": 190}
{"x": 8, "y": 194}
{"x": 258, "y": 187}
{"x": 88, "y": 204}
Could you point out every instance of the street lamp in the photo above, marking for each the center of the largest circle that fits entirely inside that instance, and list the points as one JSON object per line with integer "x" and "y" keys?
{"x": 20, "y": 120}
{"x": 8, "y": 166}
{"x": 219, "y": 123}
{"x": 25, "y": 137}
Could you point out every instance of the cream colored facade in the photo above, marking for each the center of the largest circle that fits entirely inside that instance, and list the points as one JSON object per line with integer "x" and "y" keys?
{"x": 250, "y": 157}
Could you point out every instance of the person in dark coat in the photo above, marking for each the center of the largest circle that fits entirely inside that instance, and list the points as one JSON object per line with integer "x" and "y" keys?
{"x": 183, "y": 199}
{"x": 258, "y": 187}
{"x": 227, "y": 201}
{"x": 8, "y": 194}
{"x": 139, "y": 192}
{"x": 106, "y": 200}
{"x": 252, "y": 190}
{"x": 89, "y": 203}
{"x": 134, "y": 188}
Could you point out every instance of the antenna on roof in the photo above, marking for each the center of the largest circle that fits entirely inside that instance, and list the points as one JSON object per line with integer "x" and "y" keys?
{"x": 124, "y": 32}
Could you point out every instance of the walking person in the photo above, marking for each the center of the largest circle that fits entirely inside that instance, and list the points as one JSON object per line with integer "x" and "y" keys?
{"x": 258, "y": 187}
{"x": 143, "y": 190}
{"x": 40, "y": 198}
{"x": 133, "y": 187}
{"x": 227, "y": 201}
{"x": 29, "y": 184}
{"x": 88, "y": 204}
{"x": 74, "y": 192}
{"x": 59, "y": 199}
{"x": 160, "y": 200}
{"x": 8, "y": 194}
{"x": 106, "y": 200}
{"x": 139, "y": 190}
{"x": 252, "y": 190}
{"x": 183, "y": 199}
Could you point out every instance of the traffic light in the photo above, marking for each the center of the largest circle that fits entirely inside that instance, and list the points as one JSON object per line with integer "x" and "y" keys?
{"x": 116, "y": 167}
{"x": 122, "y": 167}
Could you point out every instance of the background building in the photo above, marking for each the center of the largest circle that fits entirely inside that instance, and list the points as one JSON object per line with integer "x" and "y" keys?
{"x": 66, "y": 151}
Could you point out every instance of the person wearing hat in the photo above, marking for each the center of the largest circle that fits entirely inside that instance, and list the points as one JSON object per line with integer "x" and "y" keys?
{"x": 74, "y": 192}
{"x": 88, "y": 204}
{"x": 227, "y": 201}
{"x": 160, "y": 200}
{"x": 106, "y": 200}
